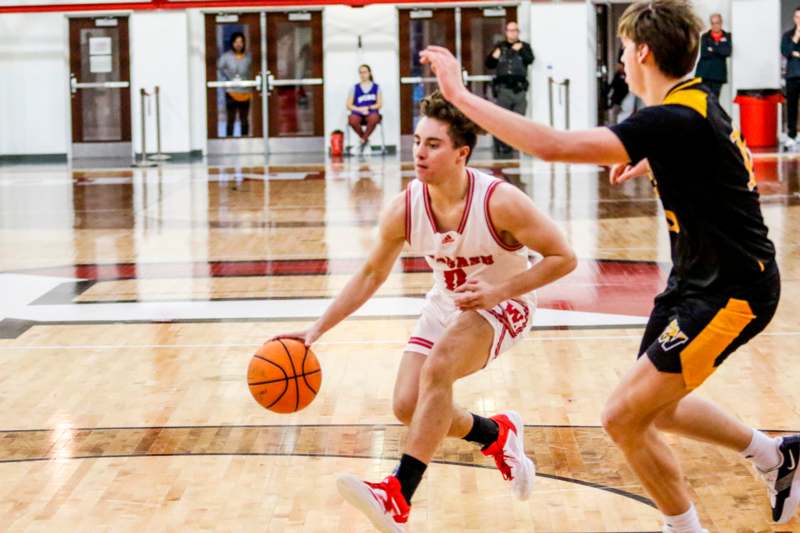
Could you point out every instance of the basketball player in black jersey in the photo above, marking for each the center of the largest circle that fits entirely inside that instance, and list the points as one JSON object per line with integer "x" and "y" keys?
{"x": 724, "y": 285}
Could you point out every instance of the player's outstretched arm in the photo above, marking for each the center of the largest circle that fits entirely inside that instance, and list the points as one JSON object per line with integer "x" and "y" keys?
{"x": 371, "y": 275}
{"x": 598, "y": 145}
{"x": 518, "y": 221}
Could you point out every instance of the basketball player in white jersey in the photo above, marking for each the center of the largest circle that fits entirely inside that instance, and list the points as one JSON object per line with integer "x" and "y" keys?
{"x": 476, "y": 233}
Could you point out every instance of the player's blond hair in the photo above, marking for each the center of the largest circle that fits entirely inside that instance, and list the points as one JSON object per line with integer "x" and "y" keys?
{"x": 670, "y": 28}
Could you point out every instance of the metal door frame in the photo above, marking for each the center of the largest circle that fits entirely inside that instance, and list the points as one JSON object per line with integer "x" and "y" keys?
{"x": 483, "y": 140}
{"x": 486, "y": 140}
{"x": 238, "y": 145}
{"x": 266, "y": 144}
{"x": 292, "y": 144}
{"x": 97, "y": 149}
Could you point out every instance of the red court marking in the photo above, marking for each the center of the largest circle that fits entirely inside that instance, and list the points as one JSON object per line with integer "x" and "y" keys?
{"x": 617, "y": 287}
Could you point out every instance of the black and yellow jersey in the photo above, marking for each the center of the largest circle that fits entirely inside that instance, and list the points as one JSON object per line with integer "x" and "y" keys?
{"x": 702, "y": 172}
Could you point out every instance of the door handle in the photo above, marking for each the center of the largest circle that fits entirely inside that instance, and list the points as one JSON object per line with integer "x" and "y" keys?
{"x": 75, "y": 85}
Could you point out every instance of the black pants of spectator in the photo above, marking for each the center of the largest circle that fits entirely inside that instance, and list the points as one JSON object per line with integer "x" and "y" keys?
{"x": 516, "y": 101}
{"x": 232, "y": 107}
{"x": 792, "y": 96}
{"x": 715, "y": 86}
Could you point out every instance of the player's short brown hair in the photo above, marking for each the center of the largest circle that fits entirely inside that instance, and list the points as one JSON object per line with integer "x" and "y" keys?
{"x": 463, "y": 132}
{"x": 670, "y": 28}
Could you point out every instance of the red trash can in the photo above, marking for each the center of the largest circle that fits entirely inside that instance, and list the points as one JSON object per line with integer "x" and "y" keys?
{"x": 337, "y": 143}
{"x": 758, "y": 116}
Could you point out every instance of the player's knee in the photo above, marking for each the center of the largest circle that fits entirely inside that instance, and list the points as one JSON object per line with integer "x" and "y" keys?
{"x": 437, "y": 370}
{"x": 403, "y": 407}
{"x": 618, "y": 422}
{"x": 665, "y": 421}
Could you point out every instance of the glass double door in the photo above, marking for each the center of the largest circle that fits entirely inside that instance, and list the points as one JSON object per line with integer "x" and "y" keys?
{"x": 470, "y": 33}
{"x": 100, "y": 94}
{"x": 264, "y": 82}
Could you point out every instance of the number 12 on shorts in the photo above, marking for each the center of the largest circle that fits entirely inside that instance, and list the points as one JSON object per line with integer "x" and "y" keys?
{"x": 454, "y": 278}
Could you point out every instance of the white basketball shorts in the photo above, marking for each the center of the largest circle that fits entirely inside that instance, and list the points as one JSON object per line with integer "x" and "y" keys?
{"x": 510, "y": 321}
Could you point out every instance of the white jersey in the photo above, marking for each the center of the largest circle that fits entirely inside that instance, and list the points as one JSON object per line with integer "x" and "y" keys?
{"x": 474, "y": 250}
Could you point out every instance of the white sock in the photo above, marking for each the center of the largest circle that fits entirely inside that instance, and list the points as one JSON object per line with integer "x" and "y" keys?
{"x": 687, "y": 522}
{"x": 763, "y": 451}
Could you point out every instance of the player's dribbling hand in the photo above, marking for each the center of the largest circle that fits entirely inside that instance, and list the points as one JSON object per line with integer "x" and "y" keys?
{"x": 307, "y": 337}
{"x": 476, "y": 294}
{"x": 624, "y": 172}
{"x": 446, "y": 68}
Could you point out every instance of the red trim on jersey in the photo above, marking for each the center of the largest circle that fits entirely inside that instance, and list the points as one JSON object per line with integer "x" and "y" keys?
{"x": 464, "y": 216}
{"x": 408, "y": 214}
{"x": 426, "y": 198}
{"x": 468, "y": 205}
{"x": 492, "y": 230}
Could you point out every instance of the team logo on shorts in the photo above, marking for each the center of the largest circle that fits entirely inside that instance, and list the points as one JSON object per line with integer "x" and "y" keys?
{"x": 672, "y": 336}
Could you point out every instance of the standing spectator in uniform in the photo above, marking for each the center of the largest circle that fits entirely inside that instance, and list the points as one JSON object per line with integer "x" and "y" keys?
{"x": 511, "y": 58}
{"x": 235, "y": 65}
{"x": 791, "y": 51}
{"x": 715, "y": 49}
{"x": 364, "y": 103}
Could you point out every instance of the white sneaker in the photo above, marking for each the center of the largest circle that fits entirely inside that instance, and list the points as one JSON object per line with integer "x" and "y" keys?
{"x": 668, "y": 529}
{"x": 789, "y": 143}
{"x": 382, "y": 503}
{"x": 509, "y": 454}
{"x": 783, "y": 483}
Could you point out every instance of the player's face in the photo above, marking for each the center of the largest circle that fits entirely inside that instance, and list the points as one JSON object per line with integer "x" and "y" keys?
{"x": 435, "y": 157}
{"x": 633, "y": 68}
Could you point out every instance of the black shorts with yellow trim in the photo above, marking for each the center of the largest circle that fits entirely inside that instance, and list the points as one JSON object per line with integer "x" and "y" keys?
{"x": 692, "y": 333}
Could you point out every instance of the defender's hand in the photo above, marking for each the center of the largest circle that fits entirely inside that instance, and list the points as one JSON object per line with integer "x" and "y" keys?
{"x": 447, "y": 70}
{"x": 624, "y": 172}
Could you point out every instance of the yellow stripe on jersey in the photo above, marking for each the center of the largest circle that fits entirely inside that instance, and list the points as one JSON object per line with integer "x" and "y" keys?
{"x": 692, "y": 98}
{"x": 672, "y": 221}
{"x": 685, "y": 85}
{"x": 747, "y": 158}
{"x": 697, "y": 359}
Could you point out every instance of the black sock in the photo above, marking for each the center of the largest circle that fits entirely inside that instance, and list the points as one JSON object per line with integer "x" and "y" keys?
{"x": 484, "y": 431}
{"x": 409, "y": 474}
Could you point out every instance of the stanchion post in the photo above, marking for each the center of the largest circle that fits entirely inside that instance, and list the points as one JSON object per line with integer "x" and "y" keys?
{"x": 159, "y": 155}
{"x": 143, "y": 162}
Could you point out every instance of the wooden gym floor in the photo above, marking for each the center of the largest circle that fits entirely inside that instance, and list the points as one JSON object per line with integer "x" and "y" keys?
{"x": 133, "y": 300}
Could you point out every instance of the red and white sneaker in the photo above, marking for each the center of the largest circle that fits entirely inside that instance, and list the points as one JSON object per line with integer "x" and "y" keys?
{"x": 382, "y": 503}
{"x": 509, "y": 454}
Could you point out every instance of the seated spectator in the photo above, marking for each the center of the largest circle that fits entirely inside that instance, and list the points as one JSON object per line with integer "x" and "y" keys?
{"x": 364, "y": 103}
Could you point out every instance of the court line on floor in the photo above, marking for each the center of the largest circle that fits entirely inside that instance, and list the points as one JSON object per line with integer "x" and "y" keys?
{"x": 328, "y": 343}
{"x": 613, "y": 490}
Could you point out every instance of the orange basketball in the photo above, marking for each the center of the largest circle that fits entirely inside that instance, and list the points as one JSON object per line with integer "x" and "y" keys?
{"x": 284, "y": 375}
